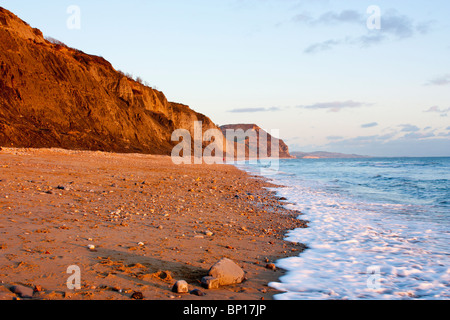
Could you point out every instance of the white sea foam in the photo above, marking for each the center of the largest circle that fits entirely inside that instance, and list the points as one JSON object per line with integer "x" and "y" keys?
{"x": 345, "y": 240}
{"x": 361, "y": 250}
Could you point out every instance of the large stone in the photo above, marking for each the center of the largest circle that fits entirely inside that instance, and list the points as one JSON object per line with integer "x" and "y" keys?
{"x": 180, "y": 286}
{"x": 227, "y": 272}
{"x": 22, "y": 291}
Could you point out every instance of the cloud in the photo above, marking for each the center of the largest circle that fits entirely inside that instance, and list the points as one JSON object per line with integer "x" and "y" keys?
{"x": 440, "y": 80}
{"x": 330, "y": 17}
{"x": 335, "y": 106}
{"x": 251, "y": 110}
{"x": 369, "y": 125}
{"x": 394, "y": 26}
{"x": 321, "y": 46}
{"x": 335, "y": 138}
{"x": 409, "y": 128}
{"x": 359, "y": 141}
{"x": 397, "y": 25}
{"x": 369, "y": 39}
{"x": 437, "y": 109}
{"x": 448, "y": 128}
{"x": 412, "y": 144}
{"x": 418, "y": 135}
{"x": 392, "y": 22}
{"x": 433, "y": 109}
{"x": 425, "y": 27}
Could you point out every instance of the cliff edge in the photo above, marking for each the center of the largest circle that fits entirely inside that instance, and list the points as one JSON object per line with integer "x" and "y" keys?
{"x": 55, "y": 96}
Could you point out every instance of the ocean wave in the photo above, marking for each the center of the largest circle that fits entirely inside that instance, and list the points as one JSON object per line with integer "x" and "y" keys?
{"x": 354, "y": 229}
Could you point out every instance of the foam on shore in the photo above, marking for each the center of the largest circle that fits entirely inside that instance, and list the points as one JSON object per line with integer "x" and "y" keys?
{"x": 361, "y": 250}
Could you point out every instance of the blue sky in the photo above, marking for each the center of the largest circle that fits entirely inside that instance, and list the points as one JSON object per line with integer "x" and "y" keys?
{"x": 311, "y": 68}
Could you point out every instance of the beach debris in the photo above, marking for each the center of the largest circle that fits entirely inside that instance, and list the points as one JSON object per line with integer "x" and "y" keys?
{"x": 22, "y": 291}
{"x": 209, "y": 282}
{"x": 160, "y": 275}
{"x": 197, "y": 292}
{"x": 137, "y": 295}
{"x": 227, "y": 272}
{"x": 37, "y": 288}
{"x": 141, "y": 244}
{"x": 91, "y": 247}
{"x": 208, "y": 233}
{"x": 271, "y": 266}
{"x": 116, "y": 213}
{"x": 180, "y": 286}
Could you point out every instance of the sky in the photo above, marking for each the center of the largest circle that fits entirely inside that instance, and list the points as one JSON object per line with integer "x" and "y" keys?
{"x": 352, "y": 76}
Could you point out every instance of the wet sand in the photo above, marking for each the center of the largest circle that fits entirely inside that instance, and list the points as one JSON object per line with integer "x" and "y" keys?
{"x": 151, "y": 222}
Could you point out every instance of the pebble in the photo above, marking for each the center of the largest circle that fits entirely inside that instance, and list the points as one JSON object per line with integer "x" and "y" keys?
{"x": 38, "y": 288}
{"x": 137, "y": 295}
{"x": 197, "y": 292}
{"x": 22, "y": 291}
{"x": 180, "y": 286}
{"x": 271, "y": 266}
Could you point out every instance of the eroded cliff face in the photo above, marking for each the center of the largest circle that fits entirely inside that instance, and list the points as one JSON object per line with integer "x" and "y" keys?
{"x": 55, "y": 96}
{"x": 262, "y": 145}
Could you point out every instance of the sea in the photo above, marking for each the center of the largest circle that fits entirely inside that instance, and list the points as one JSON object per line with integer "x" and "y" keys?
{"x": 379, "y": 228}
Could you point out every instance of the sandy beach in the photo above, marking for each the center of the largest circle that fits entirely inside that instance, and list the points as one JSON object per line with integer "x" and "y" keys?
{"x": 149, "y": 223}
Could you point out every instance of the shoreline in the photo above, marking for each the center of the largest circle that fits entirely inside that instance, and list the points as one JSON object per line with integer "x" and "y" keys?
{"x": 151, "y": 222}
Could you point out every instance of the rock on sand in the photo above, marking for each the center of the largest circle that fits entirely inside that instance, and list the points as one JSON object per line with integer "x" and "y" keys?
{"x": 22, "y": 291}
{"x": 227, "y": 272}
{"x": 180, "y": 286}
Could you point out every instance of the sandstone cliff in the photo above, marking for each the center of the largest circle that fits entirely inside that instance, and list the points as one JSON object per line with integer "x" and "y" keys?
{"x": 261, "y": 149}
{"x": 55, "y": 96}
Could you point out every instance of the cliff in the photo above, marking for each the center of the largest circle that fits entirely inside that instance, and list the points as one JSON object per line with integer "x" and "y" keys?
{"x": 55, "y": 96}
{"x": 261, "y": 149}
{"x": 325, "y": 155}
